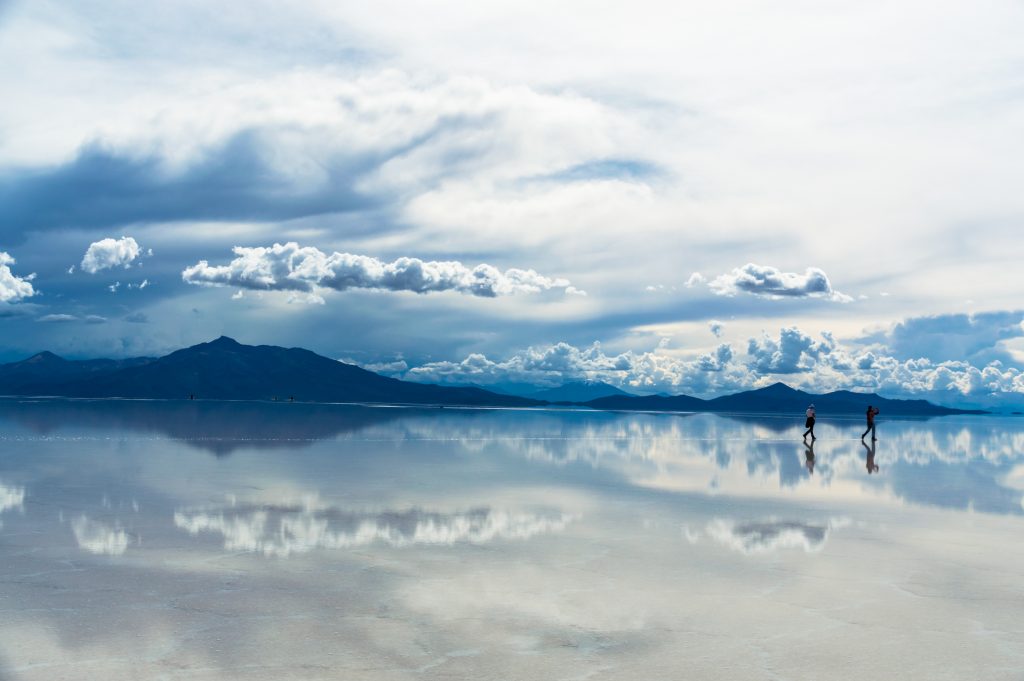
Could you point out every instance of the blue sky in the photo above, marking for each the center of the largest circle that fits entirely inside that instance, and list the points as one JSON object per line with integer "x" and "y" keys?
{"x": 674, "y": 197}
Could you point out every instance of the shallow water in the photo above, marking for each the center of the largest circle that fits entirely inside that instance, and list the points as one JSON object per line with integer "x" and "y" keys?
{"x": 155, "y": 540}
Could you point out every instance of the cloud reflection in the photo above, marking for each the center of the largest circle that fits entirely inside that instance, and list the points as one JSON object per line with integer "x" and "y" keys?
{"x": 99, "y": 538}
{"x": 11, "y": 499}
{"x": 289, "y": 529}
{"x": 758, "y": 537}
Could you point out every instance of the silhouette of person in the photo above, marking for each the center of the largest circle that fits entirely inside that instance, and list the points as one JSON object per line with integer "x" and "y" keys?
{"x": 809, "y": 455}
{"x": 869, "y": 459}
{"x": 872, "y": 413}
{"x": 809, "y": 423}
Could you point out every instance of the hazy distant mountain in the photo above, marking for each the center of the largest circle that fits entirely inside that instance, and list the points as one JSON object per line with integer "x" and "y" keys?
{"x": 226, "y": 369}
{"x": 579, "y": 391}
{"x": 780, "y": 398}
{"x": 45, "y": 371}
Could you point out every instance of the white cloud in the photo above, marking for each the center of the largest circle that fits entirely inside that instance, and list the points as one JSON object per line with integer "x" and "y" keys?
{"x": 290, "y": 267}
{"x": 57, "y": 318}
{"x": 553, "y": 365}
{"x": 695, "y": 279}
{"x": 770, "y": 282}
{"x": 61, "y": 318}
{"x": 793, "y": 351}
{"x": 108, "y": 253}
{"x": 12, "y": 287}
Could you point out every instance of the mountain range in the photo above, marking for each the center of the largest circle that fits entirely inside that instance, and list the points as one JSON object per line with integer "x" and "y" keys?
{"x": 225, "y": 369}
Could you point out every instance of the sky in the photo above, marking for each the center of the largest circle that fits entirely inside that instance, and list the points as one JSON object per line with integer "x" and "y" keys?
{"x": 670, "y": 197}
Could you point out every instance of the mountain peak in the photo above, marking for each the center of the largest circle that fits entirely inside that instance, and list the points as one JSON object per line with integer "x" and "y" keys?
{"x": 44, "y": 357}
{"x": 778, "y": 388}
{"x": 223, "y": 342}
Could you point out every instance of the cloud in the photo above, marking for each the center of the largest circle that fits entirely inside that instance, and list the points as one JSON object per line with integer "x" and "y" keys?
{"x": 290, "y": 267}
{"x": 695, "y": 279}
{"x": 793, "y": 351}
{"x": 950, "y": 337}
{"x": 716, "y": 327}
{"x": 234, "y": 180}
{"x": 772, "y": 535}
{"x": 66, "y": 318}
{"x": 286, "y": 529}
{"x": 770, "y": 282}
{"x": 553, "y": 365}
{"x": 12, "y": 287}
{"x": 108, "y": 253}
{"x": 99, "y": 538}
{"x": 137, "y": 318}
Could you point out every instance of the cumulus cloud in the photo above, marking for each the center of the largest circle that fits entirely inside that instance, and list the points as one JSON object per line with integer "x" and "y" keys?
{"x": 815, "y": 363}
{"x": 716, "y": 327}
{"x": 695, "y": 280}
{"x": 770, "y": 282}
{"x": 12, "y": 287}
{"x": 305, "y": 269}
{"x": 299, "y": 528}
{"x": 793, "y": 351}
{"x": 553, "y": 365}
{"x": 109, "y": 253}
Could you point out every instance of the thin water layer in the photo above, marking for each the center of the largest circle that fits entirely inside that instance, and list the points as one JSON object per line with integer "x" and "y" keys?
{"x": 168, "y": 540}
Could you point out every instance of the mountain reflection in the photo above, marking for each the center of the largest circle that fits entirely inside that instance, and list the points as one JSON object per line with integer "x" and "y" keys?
{"x": 216, "y": 427}
{"x": 284, "y": 530}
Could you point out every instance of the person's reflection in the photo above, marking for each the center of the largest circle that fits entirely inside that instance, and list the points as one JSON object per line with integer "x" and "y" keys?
{"x": 809, "y": 454}
{"x": 870, "y": 458}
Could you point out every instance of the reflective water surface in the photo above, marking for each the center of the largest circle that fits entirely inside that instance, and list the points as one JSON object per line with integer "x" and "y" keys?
{"x": 157, "y": 540}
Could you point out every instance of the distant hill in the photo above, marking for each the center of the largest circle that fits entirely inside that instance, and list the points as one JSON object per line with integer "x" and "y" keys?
{"x": 42, "y": 373}
{"x": 224, "y": 369}
{"x": 227, "y": 370}
{"x": 578, "y": 391}
{"x": 779, "y": 398}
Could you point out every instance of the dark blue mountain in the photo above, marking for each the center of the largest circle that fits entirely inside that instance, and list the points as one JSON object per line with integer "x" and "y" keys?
{"x": 42, "y": 373}
{"x": 227, "y": 370}
{"x": 779, "y": 398}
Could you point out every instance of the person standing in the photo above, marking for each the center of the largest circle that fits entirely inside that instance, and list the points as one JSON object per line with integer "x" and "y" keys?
{"x": 809, "y": 423}
{"x": 872, "y": 413}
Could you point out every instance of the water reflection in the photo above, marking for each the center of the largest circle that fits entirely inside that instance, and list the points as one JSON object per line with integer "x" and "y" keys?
{"x": 772, "y": 535}
{"x": 216, "y": 427}
{"x": 99, "y": 538}
{"x": 960, "y": 462}
{"x": 299, "y": 528}
{"x": 869, "y": 457}
{"x": 11, "y": 499}
{"x": 809, "y": 457}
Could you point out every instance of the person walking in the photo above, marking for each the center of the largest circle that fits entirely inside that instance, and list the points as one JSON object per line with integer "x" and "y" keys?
{"x": 872, "y": 413}
{"x": 809, "y": 423}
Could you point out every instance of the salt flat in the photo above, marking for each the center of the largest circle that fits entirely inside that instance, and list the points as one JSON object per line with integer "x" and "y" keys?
{"x": 150, "y": 540}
